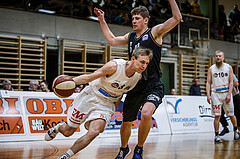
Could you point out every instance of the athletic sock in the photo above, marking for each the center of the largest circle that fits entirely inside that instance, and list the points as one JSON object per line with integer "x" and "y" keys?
{"x": 67, "y": 155}
{"x": 124, "y": 148}
{"x": 216, "y": 133}
{"x": 235, "y": 128}
{"x": 139, "y": 147}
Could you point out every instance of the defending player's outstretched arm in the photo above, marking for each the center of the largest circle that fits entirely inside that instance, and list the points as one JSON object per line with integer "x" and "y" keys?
{"x": 165, "y": 27}
{"x": 111, "y": 39}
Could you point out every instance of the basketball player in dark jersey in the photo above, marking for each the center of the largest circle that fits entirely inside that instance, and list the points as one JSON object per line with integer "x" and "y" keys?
{"x": 149, "y": 91}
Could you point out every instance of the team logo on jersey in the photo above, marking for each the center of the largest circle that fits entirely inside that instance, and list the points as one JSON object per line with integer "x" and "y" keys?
{"x": 220, "y": 74}
{"x": 115, "y": 85}
{"x": 145, "y": 37}
{"x": 153, "y": 97}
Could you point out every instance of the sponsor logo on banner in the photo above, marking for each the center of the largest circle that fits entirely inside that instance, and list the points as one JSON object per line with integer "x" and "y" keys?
{"x": 11, "y": 125}
{"x": 186, "y": 122}
{"x": 46, "y": 106}
{"x": 40, "y": 124}
{"x": 176, "y": 116}
{"x": 205, "y": 113}
{"x": 10, "y": 106}
{"x": 172, "y": 105}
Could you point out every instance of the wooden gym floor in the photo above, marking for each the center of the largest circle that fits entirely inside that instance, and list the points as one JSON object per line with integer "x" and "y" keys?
{"x": 182, "y": 146}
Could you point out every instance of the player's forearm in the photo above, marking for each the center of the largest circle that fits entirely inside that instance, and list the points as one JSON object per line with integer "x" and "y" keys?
{"x": 83, "y": 79}
{"x": 230, "y": 88}
{"x": 107, "y": 32}
{"x": 175, "y": 10}
{"x": 208, "y": 89}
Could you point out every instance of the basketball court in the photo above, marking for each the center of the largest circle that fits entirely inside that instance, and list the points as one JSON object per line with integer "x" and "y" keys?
{"x": 182, "y": 146}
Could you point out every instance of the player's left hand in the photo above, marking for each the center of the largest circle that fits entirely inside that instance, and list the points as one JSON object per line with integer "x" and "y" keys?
{"x": 228, "y": 98}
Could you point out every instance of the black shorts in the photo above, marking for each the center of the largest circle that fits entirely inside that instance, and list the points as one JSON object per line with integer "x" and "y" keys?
{"x": 143, "y": 92}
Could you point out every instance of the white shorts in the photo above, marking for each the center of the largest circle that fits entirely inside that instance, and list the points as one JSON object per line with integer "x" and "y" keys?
{"x": 87, "y": 106}
{"x": 218, "y": 101}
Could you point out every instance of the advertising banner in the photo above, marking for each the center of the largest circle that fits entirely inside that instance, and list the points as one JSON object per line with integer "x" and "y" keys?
{"x": 28, "y": 115}
{"x": 189, "y": 114}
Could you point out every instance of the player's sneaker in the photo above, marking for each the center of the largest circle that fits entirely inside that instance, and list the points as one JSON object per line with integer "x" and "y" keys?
{"x": 236, "y": 135}
{"x": 218, "y": 139}
{"x": 123, "y": 153}
{"x": 224, "y": 131}
{"x": 138, "y": 153}
{"x": 52, "y": 132}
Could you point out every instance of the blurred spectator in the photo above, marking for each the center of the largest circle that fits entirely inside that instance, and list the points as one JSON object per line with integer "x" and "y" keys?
{"x": 231, "y": 32}
{"x": 79, "y": 88}
{"x": 97, "y": 4}
{"x": 79, "y": 7}
{"x": 122, "y": 18}
{"x": 195, "y": 90}
{"x": 195, "y": 8}
{"x": 173, "y": 91}
{"x": 90, "y": 7}
{"x": 109, "y": 10}
{"x": 214, "y": 29}
{"x": 186, "y": 7}
{"x": 44, "y": 86}
{"x": 109, "y": 5}
{"x": 221, "y": 33}
{"x": 127, "y": 5}
{"x": 234, "y": 16}
{"x": 222, "y": 18}
{"x": 33, "y": 86}
{"x": 7, "y": 85}
{"x": 116, "y": 3}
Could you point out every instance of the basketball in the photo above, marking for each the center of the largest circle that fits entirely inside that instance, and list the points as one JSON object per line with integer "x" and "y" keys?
{"x": 63, "y": 86}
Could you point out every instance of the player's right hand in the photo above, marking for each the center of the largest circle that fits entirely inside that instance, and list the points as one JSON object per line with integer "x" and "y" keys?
{"x": 209, "y": 99}
{"x": 99, "y": 13}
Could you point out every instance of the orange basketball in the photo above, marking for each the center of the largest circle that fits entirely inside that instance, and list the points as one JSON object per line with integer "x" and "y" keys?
{"x": 63, "y": 86}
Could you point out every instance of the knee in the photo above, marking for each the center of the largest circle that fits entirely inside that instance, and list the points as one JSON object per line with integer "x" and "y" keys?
{"x": 126, "y": 125}
{"x": 146, "y": 115}
{"x": 93, "y": 133}
{"x": 68, "y": 131}
{"x": 217, "y": 118}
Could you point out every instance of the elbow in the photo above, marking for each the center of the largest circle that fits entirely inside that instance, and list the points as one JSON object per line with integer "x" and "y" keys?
{"x": 111, "y": 43}
{"x": 178, "y": 18}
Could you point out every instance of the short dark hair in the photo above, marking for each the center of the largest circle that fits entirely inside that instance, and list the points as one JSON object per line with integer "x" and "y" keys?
{"x": 44, "y": 82}
{"x": 142, "y": 10}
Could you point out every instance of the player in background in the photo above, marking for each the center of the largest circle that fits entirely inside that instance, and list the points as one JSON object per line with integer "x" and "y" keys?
{"x": 96, "y": 103}
{"x": 220, "y": 80}
{"x": 150, "y": 90}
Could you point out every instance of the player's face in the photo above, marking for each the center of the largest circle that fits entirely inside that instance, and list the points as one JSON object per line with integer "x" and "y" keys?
{"x": 138, "y": 22}
{"x": 219, "y": 57}
{"x": 141, "y": 63}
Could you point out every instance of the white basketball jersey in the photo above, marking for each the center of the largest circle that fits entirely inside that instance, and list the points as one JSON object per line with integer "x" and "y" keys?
{"x": 220, "y": 78}
{"x": 113, "y": 87}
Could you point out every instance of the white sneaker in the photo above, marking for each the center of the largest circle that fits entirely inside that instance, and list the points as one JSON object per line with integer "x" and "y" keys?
{"x": 218, "y": 139}
{"x": 52, "y": 132}
{"x": 236, "y": 135}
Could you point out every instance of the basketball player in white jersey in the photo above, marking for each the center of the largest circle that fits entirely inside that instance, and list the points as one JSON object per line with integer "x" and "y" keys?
{"x": 220, "y": 79}
{"x": 97, "y": 102}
